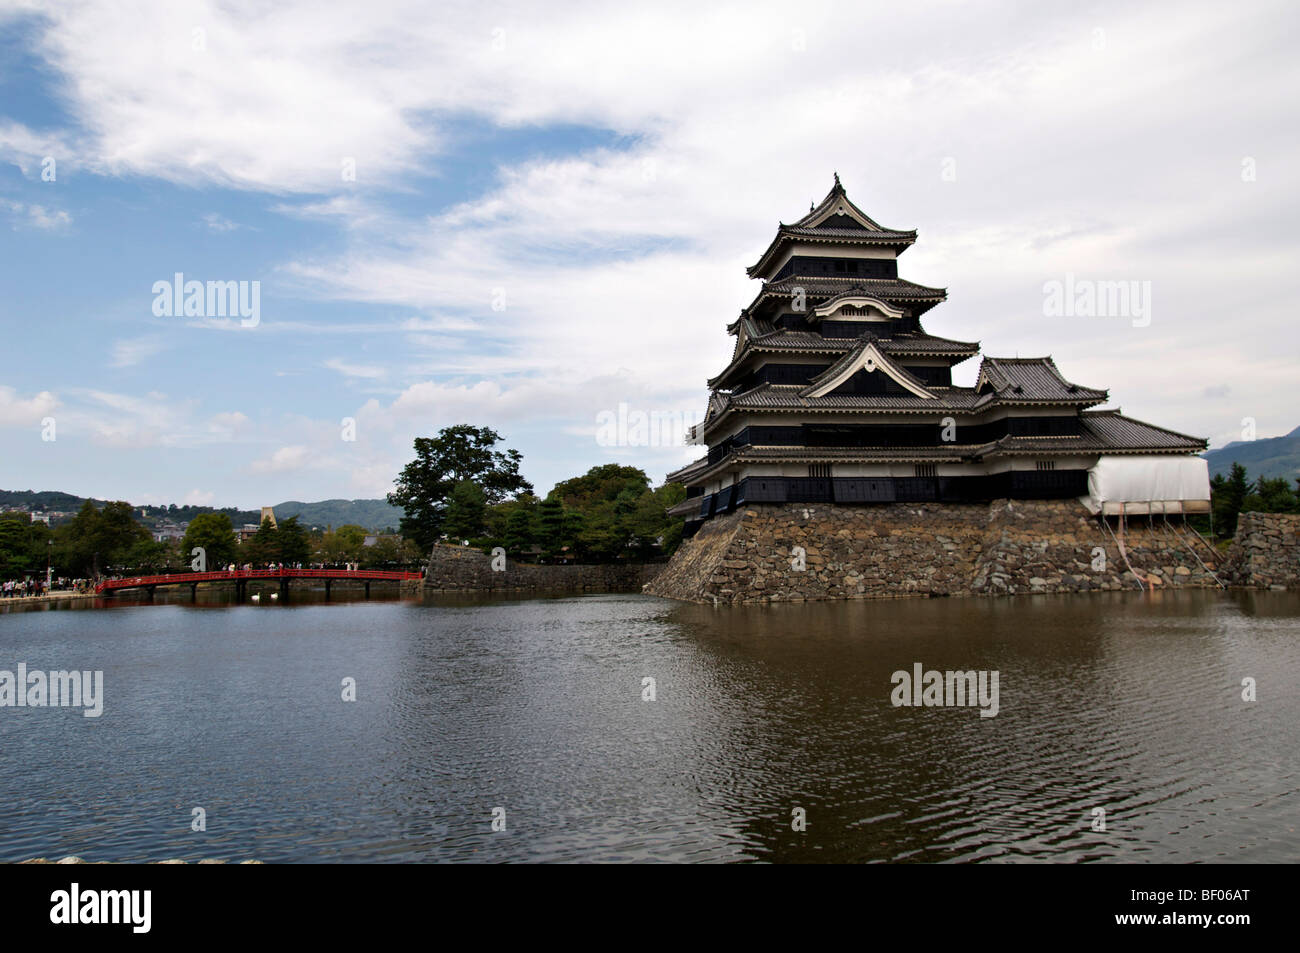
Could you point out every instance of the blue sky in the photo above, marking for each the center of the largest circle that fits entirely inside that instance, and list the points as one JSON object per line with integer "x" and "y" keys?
{"x": 552, "y": 211}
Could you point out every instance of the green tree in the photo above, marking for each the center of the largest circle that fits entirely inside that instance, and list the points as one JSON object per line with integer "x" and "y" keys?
{"x": 292, "y": 543}
{"x": 214, "y": 533}
{"x": 385, "y": 554}
{"x": 519, "y": 532}
{"x": 611, "y": 513}
{"x": 466, "y": 511}
{"x": 602, "y": 484}
{"x": 1226, "y": 499}
{"x": 24, "y": 546}
{"x": 601, "y": 537}
{"x": 333, "y": 550}
{"x": 263, "y": 548}
{"x": 351, "y": 540}
{"x": 97, "y": 539}
{"x": 1271, "y": 496}
{"x": 146, "y": 556}
{"x": 458, "y": 453}
{"x": 551, "y": 527}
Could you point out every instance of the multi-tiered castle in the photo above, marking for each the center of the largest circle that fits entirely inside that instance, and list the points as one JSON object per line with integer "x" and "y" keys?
{"x": 836, "y": 394}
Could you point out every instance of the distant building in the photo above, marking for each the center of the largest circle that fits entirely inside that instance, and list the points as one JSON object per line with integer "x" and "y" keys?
{"x": 268, "y": 513}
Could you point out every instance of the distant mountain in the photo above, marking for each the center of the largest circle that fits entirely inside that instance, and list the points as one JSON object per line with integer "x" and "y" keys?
{"x": 1269, "y": 457}
{"x": 374, "y": 515}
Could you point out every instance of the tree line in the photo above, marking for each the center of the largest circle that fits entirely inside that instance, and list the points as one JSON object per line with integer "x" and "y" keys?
{"x": 461, "y": 489}
{"x": 109, "y": 540}
{"x": 1237, "y": 493}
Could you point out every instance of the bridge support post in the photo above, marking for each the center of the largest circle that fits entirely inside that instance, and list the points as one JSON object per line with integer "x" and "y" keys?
{"x": 327, "y": 588}
{"x": 284, "y": 588}
{"x": 194, "y": 592}
{"x": 240, "y": 589}
{"x": 149, "y": 590}
{"x": 367, "y": 588}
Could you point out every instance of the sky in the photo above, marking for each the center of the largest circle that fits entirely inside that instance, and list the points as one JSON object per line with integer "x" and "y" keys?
{"x": 526, "y": 216}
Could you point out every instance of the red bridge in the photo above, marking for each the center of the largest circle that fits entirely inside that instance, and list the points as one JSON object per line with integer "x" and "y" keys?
{"x": 241, "y": 577}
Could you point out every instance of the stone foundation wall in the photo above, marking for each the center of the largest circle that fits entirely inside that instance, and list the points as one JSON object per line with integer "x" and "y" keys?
{"x": 953, "y": 549}
{"x": 463, "y": 569}
{"x": 1265, "y": 553}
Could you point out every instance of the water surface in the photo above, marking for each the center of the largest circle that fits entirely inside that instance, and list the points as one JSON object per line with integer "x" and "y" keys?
{"x": 1126, "y": 702}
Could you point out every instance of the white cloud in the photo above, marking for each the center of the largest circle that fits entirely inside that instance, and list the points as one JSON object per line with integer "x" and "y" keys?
{"x": 30, "y": 149}
{"x": 620, "y": 267}
{"x": 37, "y": 216}
{"x": 198, "y": 497}
{"x": 219, "y": 223}
{"x": 366, "y": 371}
{"x": 284, "y": 460}
{"x": 132, "y": 351}
{"x": 18, "y": 411}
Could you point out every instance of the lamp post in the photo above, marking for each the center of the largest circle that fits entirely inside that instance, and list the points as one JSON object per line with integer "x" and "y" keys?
{"x": 49, "y": 567}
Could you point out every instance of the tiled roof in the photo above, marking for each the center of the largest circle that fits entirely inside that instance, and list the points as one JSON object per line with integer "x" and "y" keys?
{"x": 802, "y": 341}
{"x": 820, "y": 225}
{"x": 1116, "y": 432}
{"x": 837, "y": 196}
{"x": 949, "y": 453}
{"x": 912, "y": 343}
{"x": 687, "y": 473}
{"x": 1032, "y": 379}
{"x": 817, "y": 288}
{"x": 882, "y": 237}
{"x": 1104, "y": 432}
{"x": 778, "y": 341}
{"x": 787, "y": 396}
{"x": 824, "y": 285}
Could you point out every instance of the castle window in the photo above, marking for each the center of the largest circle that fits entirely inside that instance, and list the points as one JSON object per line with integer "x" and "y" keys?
{"x": 927, "y": 469}
{"x": 1045, "y": 464}
{"x": 819, "y": 471}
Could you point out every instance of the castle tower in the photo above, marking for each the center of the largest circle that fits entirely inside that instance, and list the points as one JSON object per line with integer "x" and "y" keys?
{"x": 836, "y": 393}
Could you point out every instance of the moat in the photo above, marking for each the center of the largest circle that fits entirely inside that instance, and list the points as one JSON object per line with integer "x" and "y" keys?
{"x": 1126, "y": 702}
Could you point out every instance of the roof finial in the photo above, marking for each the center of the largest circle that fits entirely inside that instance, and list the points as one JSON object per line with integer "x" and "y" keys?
{"x": 837, "y": 179}
{"x": 811, "y": 205}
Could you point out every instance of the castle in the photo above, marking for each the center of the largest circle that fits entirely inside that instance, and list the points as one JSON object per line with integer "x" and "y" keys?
{"x": 836, "y": 393}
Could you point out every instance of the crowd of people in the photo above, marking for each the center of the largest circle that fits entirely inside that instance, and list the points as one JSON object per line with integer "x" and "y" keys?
{"x": 29, "y": 587}
{"x": 34, "y": 587}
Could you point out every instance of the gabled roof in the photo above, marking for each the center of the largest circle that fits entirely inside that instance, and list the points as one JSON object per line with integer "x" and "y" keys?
{"x": 1031, "y": 379}
{"x": 835, "y": 220}
{"x": 859, "y": 296}
{"x": 837, "y": 203}
{"x": 804, "y": 344}
{"x": 865, "y": 355}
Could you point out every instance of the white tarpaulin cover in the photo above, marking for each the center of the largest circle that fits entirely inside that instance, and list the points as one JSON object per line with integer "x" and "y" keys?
{"x": 1149, "y": 485}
